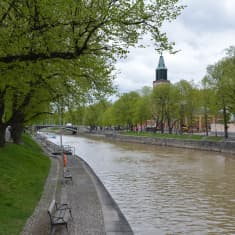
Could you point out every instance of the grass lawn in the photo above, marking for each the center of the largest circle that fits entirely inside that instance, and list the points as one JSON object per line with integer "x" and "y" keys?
{"x": 23, "y": 171}
{"x": 174, "y": 136}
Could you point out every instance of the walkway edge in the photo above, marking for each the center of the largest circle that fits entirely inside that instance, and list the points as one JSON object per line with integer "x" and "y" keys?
{"x": 114, "y": 219}
{"x": 38, "y": 222}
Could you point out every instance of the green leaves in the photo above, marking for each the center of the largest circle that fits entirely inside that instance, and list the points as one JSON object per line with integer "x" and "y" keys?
{"x": 66, "y": 50}
{"x": 36, "y": 30}
{"x": 220, "y": 78}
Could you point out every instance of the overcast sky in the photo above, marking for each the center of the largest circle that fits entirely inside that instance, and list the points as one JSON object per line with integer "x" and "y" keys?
{"x": 201, "y": 33}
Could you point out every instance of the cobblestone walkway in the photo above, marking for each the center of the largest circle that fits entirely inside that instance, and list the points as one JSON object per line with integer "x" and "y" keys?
{"x": 38, "y": 223}
{"x": 93, "y": 209}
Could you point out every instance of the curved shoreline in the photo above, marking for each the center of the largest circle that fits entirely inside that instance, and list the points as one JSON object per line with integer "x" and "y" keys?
{"x": 114, "y": 219}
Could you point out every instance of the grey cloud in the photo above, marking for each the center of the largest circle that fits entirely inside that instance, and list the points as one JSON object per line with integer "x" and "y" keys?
{"x": 202, "y": 32}
{"x": 210, "y": 15}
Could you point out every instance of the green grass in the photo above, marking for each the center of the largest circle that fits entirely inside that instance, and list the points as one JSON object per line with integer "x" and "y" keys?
{"x": 174, "y": 136}
{"x": 23, "y": 171}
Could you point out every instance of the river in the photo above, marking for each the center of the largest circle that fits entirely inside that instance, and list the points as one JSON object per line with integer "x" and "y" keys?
{"x": 164, "y": 190}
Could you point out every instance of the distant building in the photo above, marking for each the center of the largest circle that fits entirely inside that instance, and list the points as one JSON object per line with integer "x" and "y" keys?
{"x": 161, "y": 72}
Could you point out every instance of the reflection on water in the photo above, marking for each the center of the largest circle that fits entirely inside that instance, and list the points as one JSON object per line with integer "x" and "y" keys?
{"x": 165, "y": 190}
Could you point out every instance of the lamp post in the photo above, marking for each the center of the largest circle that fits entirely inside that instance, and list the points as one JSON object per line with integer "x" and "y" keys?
{"x": 61, "y": 141}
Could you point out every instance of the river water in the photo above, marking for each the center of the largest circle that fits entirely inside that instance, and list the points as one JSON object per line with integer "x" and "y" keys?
{"x": 164, "y": 190}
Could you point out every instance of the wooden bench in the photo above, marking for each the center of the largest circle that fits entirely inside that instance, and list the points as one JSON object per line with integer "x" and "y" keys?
{"x": 59, "y": 214}
{"x": 67, "y": 174}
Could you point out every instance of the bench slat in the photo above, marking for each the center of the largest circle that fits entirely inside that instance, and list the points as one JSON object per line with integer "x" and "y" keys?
{"x": 59, "y": 214}
{"x": 51, "y": 207}
{"x": 67, "y": 174}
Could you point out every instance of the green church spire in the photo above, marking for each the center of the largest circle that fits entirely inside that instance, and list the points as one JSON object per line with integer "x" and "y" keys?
{"x": 161, "y": 63}
{"x": 161, "y": 71}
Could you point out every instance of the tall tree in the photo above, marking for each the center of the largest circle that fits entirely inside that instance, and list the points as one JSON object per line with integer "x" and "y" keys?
{"x": 220, "y": 77}
{"x": 124, "y": 109}
{"x": 94, "y": 114}
{"x": 229, "y": 76}
{"x": 59, "y": 32}
{"x": 208, "y": 102}
{"x": 188, "y": 103}
{"x": 142, "y": 110}
{"x": 32, "y": 87}
{"x": 39, "y": 30}
{"x": 165, "y": 100}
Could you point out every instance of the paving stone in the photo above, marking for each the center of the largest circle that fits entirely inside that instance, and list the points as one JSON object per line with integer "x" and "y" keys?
{"x": 93, "y": 209}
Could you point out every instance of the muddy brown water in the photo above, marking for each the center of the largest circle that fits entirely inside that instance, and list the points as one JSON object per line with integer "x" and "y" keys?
{"x": 164, "y": 190}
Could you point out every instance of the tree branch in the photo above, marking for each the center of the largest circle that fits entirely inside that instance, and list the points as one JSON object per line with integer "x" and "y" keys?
{"x": 11, "y": 5}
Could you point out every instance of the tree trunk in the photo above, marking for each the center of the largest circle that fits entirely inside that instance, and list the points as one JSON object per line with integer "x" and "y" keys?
{"x": 17, "y": 126}
{"x": 206, "y": 123}
{"x": 162, "y": 127}
{"x": 16, "y": 132}
{"x": 170, "y": 127}
{"x": 2, "y": 135}
{"x": 225, "y": 122}
{"x": 181, "y": 125}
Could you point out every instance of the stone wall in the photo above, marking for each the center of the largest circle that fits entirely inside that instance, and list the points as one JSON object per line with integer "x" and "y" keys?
{"x": 221, "y": 146}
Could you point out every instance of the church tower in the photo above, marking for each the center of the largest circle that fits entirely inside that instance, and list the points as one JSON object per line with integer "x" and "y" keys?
{"x": 161, "y": 72}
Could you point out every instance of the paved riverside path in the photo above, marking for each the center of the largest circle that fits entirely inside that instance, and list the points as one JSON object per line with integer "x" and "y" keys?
{"x": 93, "y": 209}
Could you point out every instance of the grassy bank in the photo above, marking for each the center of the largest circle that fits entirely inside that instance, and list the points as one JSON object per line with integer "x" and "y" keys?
{"x": 175, "y": 136}
{"x": 23, "y": 171}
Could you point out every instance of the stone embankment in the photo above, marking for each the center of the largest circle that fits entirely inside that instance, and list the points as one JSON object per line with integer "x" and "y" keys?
{"x": 221, "y": 146}
{"x": 93, "y": 209}
{"x": 225, "y": 146}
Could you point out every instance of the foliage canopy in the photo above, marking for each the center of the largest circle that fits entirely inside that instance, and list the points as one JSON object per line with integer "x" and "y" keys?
{"x": 52, "y": 49}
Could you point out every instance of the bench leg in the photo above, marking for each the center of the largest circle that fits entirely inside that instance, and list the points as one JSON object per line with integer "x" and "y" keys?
{"x": 68, "y": 180}
{"x": 70, "y": 212}
{"x": 51, "y": 229}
